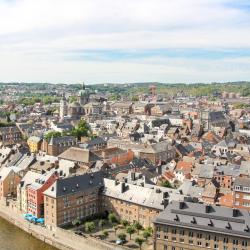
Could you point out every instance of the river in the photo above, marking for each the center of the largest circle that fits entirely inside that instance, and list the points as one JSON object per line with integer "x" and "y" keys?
{"x": 13, "y": 238}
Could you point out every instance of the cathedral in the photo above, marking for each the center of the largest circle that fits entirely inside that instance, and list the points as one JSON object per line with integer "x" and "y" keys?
{"x": 82, "y": 106}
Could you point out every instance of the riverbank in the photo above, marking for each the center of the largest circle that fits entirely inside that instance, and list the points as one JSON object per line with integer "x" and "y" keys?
{"x": 61, "y": 239}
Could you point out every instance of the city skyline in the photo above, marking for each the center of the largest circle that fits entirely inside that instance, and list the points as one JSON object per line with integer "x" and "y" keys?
{"x": 129, "y": 41}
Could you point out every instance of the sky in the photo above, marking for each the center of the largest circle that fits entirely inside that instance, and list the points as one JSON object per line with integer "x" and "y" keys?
{"x": 119, "y": 41}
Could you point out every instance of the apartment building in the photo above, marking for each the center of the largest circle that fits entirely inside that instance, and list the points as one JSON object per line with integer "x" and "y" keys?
{"x": 35, "y": 197}
{"x": 72, "y": 198}
{"x": 241, "y": 194}
{"x": 134, "y": 202}
{"x": 186, "y": 225}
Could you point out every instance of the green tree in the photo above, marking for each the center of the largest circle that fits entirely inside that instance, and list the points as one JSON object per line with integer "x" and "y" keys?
{"x": 138, "y": 227}
{"x": 105, "y": 234}
{"x": 102, "y": 223}
{"x": 166, "y": 184}
{"x": 146, "y": 234}
{"x": 82, "y": 129}
{"x": 124, "y": 223}
{"x": 130, "y": 230}
{"x": 89, "y": 226}
{"x": 112, "y": 218}
{"x": 48, "y": 135}
{"x": 122, "y": 237}
{"x": 139, "y": 241}
{"x": 76, "y": 222}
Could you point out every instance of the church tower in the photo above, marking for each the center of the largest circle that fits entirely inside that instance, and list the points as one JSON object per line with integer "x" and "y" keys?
{"x": 83, "y": 96}
{"x": 63, "y": 107}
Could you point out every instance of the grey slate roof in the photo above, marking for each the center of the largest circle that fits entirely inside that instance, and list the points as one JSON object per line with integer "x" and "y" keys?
{"x": 75, "y": 184}
{"x": 221, "y": 219}
{"x": 242, "y": 181}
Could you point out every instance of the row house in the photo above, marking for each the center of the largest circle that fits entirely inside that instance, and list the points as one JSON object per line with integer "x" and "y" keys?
{"x": 35, "y": 197}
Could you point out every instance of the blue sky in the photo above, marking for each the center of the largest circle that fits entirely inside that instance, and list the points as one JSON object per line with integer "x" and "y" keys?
{"x": 124, "y": 40}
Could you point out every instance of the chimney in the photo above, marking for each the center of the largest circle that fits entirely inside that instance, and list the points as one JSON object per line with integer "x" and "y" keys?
{"x": 181, "y": 205}
{"x": 165, "y": 203}
{"x": 235, "y": 212}
{"x": 123, "y": 187}
{"x": 165, "y": 195}
{"x": 207, "y": 209}
{"x": 132, "y": 176}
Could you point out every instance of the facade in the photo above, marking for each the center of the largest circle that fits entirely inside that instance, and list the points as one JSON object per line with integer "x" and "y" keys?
{"x": 133, "y": 203}
{"x": 57, "y": 145}
{"x": 22, "y": 190}
{"x": 8, "y": 183}
{"x": 72, "y": 198}
{"x": 241, "y": 193}
{"x": 10, "y": 135}
{"x": 186, "y": 225}
{"x": 34, "y": 144}
{"x": 35, "y": 197}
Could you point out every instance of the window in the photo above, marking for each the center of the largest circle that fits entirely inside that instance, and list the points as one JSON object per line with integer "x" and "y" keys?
{"x": 199, "y": 236}
{"x": 235, "y": 242}
{"x": 237, "y": 203}
{"x": 191, "y": 242}
{"x": 182, "y": 232}
{"x": 207, "y": 244}
{"x": 246, "y": 204}
{"x": 225, "y": 248}
{"x": 244, "y": 243}
{"x": 173, "y": 231}
{"x": 246, "y": 197}
{"x": 165, "y": 237}
{"x": 216, "y": 246}
{"x": 173, "y": 238}
{"x": 225, "y": 240}
{"x": 181, "y": 240}
{"x": 199, "y": 243}
{"x": 158, "y": 236}
{"x": 165, "y": 247}
{"x": 208, "y": 237}
{"x": 191, "y": 234}
{"x": 237, "y": 196}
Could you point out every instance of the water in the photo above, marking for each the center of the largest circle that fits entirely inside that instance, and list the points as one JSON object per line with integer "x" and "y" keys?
{"x": 13, "y": 238}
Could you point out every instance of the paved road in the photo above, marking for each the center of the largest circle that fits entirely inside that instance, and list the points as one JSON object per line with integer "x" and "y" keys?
{"x": 68, "y": 239}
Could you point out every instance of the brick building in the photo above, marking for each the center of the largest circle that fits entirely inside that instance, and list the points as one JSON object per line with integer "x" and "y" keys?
{"x": 241, "y": 194}
{"x": 186, "y": 225}
{"x": 35, "y": 197}
{"x": 72, "y": 198}
{"x": 57, "y": 145}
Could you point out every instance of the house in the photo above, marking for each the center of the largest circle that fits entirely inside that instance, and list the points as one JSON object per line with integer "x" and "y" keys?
{"x": 35, "y": 198}
{"x": 158, "y": 153}
{"x": 211, "y": 192}
{"x": 241, "y": 193}
{"x": 34, "y": 143}
{"x": 9, "y": 180}
{"x": 81, "y": 156}
{"x": 56, "y": 145}
{"x": 22, "y": 192}
{"x": 10, "y": 135}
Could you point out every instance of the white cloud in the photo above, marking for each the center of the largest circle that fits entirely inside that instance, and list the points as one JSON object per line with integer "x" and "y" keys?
{"x": 37, "y": 38}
